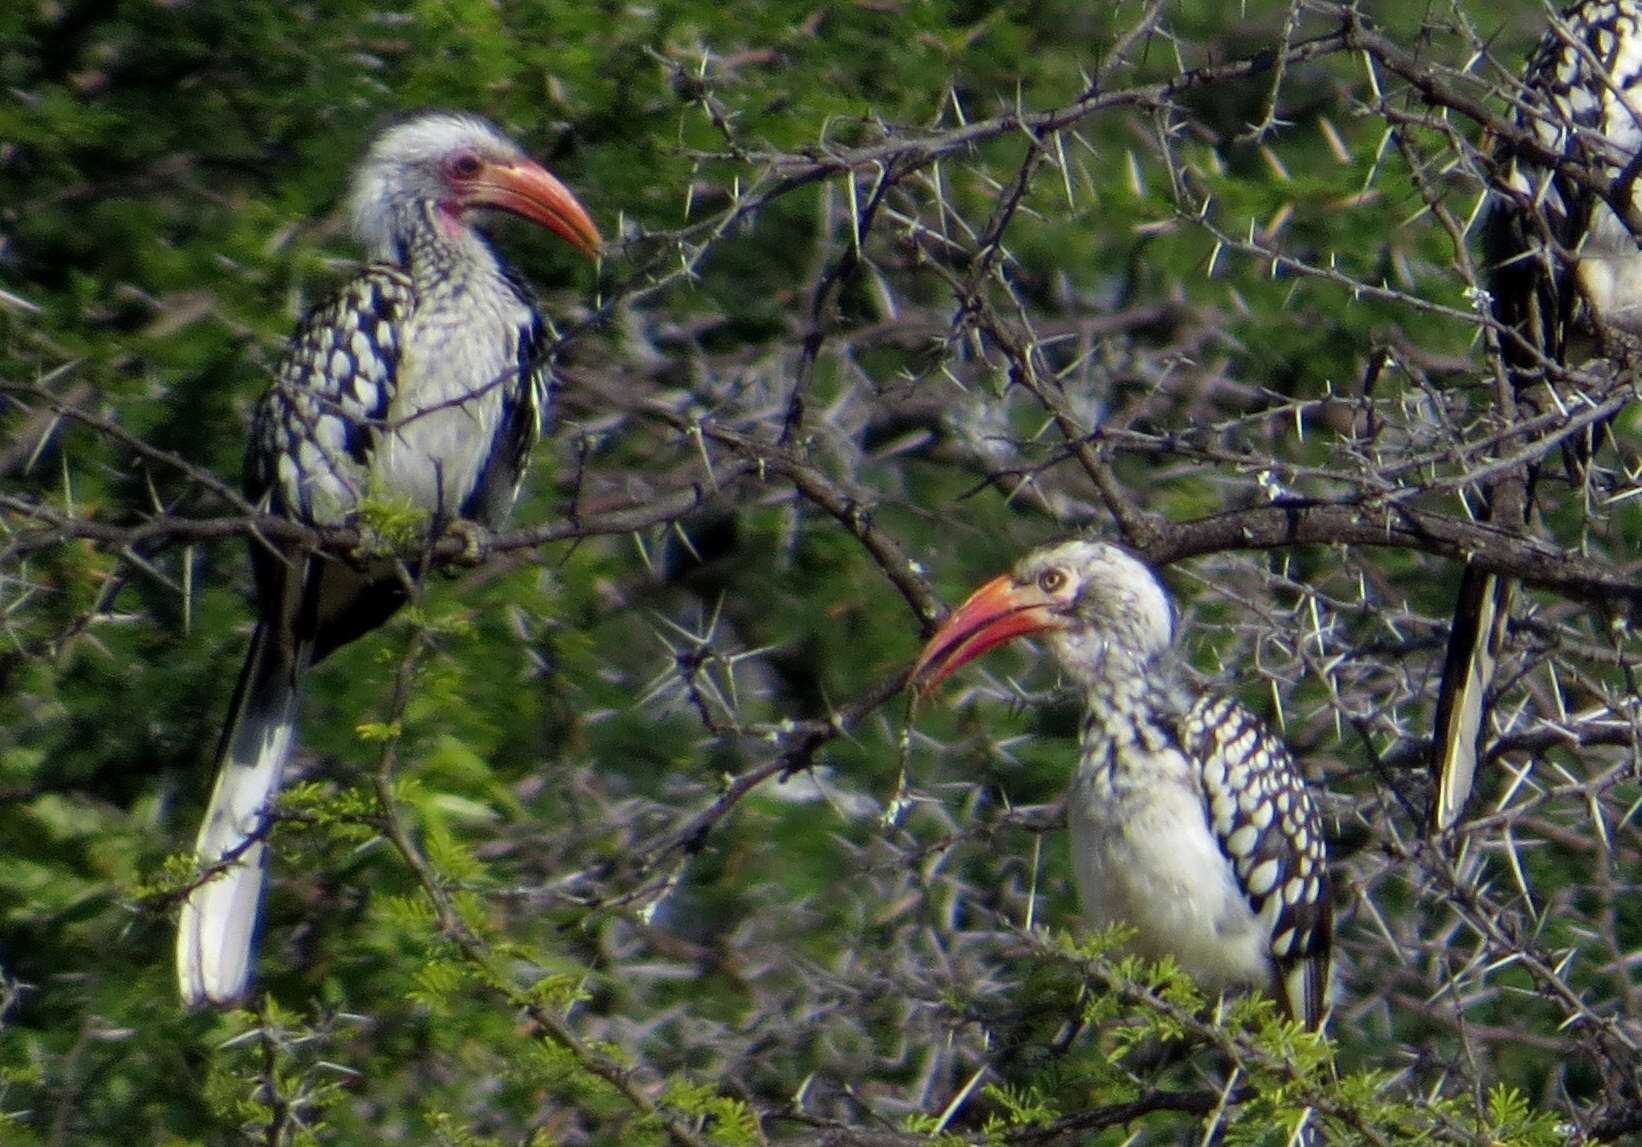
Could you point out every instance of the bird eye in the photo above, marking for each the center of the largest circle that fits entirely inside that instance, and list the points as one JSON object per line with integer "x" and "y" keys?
{"x": 464, "y": 165}
{"x": 1052, "y": 580}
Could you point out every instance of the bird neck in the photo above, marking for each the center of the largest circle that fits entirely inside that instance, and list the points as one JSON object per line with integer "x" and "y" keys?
{"x": 1131, "y": 721}
{"x": 432, "y": 244}
{"x": 1105, "y": 665}
{"x": 1120, "y": 682}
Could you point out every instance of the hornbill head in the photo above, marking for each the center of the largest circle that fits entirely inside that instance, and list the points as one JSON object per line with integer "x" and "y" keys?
{"x": 450, "y": 164}
{"x": 1093, "y": 600}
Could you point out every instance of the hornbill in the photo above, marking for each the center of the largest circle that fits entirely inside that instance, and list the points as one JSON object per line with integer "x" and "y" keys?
{"x": 420, "y": 382}
{"x": 1565, "y": 280}
{"x": 1189, "y": 820}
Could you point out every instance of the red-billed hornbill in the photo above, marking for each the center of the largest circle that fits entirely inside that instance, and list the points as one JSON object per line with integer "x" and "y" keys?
{"x": 1189, "y": 821}
{"x": 1565, "y": 272}
{"x": 420, "y": 382}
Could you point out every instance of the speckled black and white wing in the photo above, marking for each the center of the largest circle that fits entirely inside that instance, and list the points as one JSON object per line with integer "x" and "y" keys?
{"x": 1267, "y": 825}
{"x": 317, "y": 426}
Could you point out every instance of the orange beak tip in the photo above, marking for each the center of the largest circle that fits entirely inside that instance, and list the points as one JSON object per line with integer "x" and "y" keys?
{"x": 532, "y": 192}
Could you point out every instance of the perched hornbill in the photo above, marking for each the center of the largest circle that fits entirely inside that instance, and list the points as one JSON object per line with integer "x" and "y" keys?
{"x": 1565, "y": 279}
{"x": 1189, "y": 820}
{"x": 420, "y": 382}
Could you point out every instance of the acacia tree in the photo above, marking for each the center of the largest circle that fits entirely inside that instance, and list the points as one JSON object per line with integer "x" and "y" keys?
{"x": 625, "y": 835}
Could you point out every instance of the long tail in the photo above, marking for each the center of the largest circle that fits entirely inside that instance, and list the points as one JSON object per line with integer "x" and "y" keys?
{"x": 1303, "y": 989}
{"x": 219, "y": 917}
{"x": 1474, "y": 643}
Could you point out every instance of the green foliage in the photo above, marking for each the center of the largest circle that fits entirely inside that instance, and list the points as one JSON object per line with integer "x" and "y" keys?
{"x": 1513, "y": 1120}
{"x": 1020, "y": 1107}
{"x": 378, "y": 731}
{"x": 390, "y": 523}
{"x": 727, "y": 1121}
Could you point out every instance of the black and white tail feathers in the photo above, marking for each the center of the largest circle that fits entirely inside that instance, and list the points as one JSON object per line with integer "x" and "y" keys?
{"x": 1482, "y": 612}
{"x": 219, "y": 917}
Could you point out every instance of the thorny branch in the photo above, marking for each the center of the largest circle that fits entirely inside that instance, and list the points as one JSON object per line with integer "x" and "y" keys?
{"x": 477, "y": 949}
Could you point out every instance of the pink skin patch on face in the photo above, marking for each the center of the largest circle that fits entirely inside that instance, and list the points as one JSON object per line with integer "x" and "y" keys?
{"x": 451, "y": 221}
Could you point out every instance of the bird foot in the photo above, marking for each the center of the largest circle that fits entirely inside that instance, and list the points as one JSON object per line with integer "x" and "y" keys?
{"x": 472, "y": 536}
